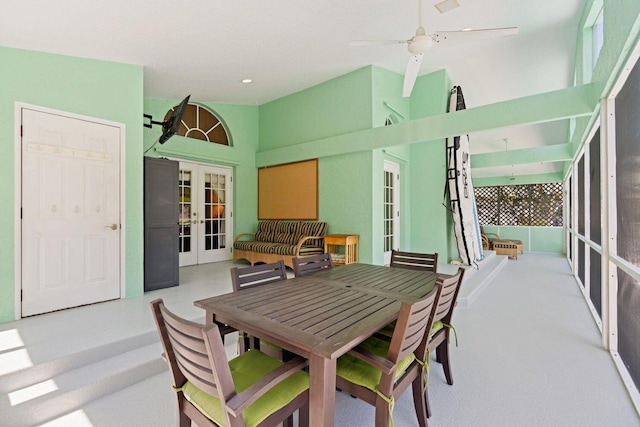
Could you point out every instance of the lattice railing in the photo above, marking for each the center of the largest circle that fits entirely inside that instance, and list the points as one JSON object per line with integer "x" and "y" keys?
{"x": 523, "y": 205}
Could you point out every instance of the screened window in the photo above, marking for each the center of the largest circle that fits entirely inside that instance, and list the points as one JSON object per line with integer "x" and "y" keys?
{"x": 521, "y": 205}
{"x": 593, "y": 32}
{"x": 597, "y": 36}
{"x": 628, "y": 219}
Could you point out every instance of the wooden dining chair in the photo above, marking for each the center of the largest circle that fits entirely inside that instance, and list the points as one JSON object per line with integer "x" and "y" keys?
{"x": 252, "y": 389}
{"x": 439, "y": 335}
{"x": 311, "y": 264}
{"x": 414, "y": 260}
{"x": 378, "y": 371}
{"x": 257, "y": 275}
{"x": 410, "y": 261}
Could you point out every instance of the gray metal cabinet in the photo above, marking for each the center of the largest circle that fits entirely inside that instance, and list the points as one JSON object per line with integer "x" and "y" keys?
{"x": 160, "y": 224}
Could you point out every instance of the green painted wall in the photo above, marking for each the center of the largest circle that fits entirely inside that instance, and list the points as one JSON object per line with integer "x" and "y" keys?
{"x": 430, "y": 223}
{"x": 241, "y": 123}
{"x": 386, "y": 98}
{"x": 345, "y": 197}
{"x": 535, "y": 239}
{"x": 296, "y": 125}
{"x": 335, "y": 107}
{"x": 98, "y": 89}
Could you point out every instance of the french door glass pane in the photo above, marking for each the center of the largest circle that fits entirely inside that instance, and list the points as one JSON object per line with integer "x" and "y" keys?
{"x": 185, "y": 210}
{"x": 214, "y": 190}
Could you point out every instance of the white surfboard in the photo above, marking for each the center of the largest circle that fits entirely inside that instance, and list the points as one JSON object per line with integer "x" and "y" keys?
{"x": 462, "y": 200}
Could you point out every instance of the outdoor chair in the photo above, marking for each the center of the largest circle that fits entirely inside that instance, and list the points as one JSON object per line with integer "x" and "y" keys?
{"x": 441, "y": 328}
{"x": 439, "y": 335}
{"x": 490, "y": 237}
{"x": 378, "y": 371}
{"x": 252, "y": 389}
{"x": 410, "y": 261}
{"x": 414, "y": 260}
{"x": 311, "y": 264}
{"x": 257, "y": 275}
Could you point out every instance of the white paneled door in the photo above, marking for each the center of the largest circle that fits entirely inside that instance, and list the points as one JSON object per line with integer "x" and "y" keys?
{"x": 70, "y": 212}
{"x": 205, "y": 213}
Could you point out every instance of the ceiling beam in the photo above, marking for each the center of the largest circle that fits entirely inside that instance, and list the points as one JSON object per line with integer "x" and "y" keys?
{"x": 544, "y": 154}
{"x": 493, "y": 181}
{"x": 561, "y": 104}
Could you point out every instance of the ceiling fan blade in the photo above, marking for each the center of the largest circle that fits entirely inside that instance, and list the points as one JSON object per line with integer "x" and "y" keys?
{"x": 411, "y": 74}
{"x": 456, "y": 37}
{"x": 376, "y": 42}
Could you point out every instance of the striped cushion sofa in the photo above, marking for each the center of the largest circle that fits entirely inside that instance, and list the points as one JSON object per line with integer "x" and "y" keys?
{"x": 276, "y": 240}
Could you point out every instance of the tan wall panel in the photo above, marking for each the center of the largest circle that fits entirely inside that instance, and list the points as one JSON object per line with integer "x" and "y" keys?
{"x": 289, "y": 191}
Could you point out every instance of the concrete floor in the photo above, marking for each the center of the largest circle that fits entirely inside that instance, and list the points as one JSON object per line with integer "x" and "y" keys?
{"x": 529, "y": 354}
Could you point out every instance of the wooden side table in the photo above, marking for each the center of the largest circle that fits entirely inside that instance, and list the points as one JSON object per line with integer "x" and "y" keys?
{"x": 342, "y": 247}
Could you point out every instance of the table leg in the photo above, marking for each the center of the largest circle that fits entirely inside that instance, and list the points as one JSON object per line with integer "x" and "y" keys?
{"x": 322, "y": 391}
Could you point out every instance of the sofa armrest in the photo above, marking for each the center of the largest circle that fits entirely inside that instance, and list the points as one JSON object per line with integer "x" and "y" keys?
{"x": 304, "y": 239}
{"x": 243, "y": 235}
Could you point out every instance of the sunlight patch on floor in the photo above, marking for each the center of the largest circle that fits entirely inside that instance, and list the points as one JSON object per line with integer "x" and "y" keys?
{"x": 14, "y": 361}
{"x": 34, "y": 391}
{"x": 10, "y": 339}
{"x": 76, "y": 419}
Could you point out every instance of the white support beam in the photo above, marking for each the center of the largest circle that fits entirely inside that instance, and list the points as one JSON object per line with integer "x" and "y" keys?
{"x": 545, "y": 154}
{"x": 609, "y": 221}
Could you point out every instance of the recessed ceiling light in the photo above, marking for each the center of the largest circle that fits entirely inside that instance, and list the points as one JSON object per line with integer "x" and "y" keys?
{"x": 467, "y": 29}
{"x": 447, "y": 5}
{"x": 246, "y": 80}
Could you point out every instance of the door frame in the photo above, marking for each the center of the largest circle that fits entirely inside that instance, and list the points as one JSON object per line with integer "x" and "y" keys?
{"x": 394, "y": 168}
{"x": 17, "y": 217}
{"x": 231, "y": 195}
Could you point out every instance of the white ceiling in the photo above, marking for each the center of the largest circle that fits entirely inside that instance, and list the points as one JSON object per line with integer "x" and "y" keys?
{"x": 204, "y": 48}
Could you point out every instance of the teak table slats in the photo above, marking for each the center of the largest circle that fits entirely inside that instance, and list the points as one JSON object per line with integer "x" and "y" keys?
{"x": 321, "y": 317}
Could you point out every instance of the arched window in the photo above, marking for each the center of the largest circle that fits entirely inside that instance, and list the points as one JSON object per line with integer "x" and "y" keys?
{"x": 391, "y": 119}
{"x": 200, "y": 123}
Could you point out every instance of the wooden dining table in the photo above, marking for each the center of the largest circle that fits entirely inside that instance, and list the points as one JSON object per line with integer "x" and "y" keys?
{"x": 321, "y": 317}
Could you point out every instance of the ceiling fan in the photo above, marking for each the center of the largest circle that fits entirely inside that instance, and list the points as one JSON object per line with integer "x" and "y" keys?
{"x": 422, "y": 42}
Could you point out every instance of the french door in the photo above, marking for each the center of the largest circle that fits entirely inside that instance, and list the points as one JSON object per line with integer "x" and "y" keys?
{"x": 205, "y": 198}
{"x": 391, "y": 207}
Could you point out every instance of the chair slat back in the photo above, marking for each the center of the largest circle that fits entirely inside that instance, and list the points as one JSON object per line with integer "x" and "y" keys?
{"x": 414, "y": 320}
{"x": 311, "y": 264}
{"x": 261, "y": 274}
{"x": 414, "y": 260}
{"x": 449, "y": 296}
{"x": 188, "y": 354}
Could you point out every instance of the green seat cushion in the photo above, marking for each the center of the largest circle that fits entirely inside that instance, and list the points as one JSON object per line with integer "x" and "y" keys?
{"x": 437, "y": 325}
{"x": 360, "y": 372}
{"x": 388, "y": 330}
{"x": 246, "y": 370}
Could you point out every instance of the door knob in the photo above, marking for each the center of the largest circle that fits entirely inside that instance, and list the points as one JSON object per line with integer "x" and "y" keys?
{"x": 112, "y": 226}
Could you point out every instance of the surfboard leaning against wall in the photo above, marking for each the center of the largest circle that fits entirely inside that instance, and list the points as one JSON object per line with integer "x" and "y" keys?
{"x": 462, "y": 202}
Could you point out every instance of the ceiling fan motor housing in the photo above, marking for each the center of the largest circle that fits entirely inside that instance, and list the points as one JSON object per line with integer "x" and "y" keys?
{"x": 421, "y": 42}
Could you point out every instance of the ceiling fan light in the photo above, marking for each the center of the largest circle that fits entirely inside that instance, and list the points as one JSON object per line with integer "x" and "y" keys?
{"x": 447, "y": 5}
{"x": 420, "y": 44}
